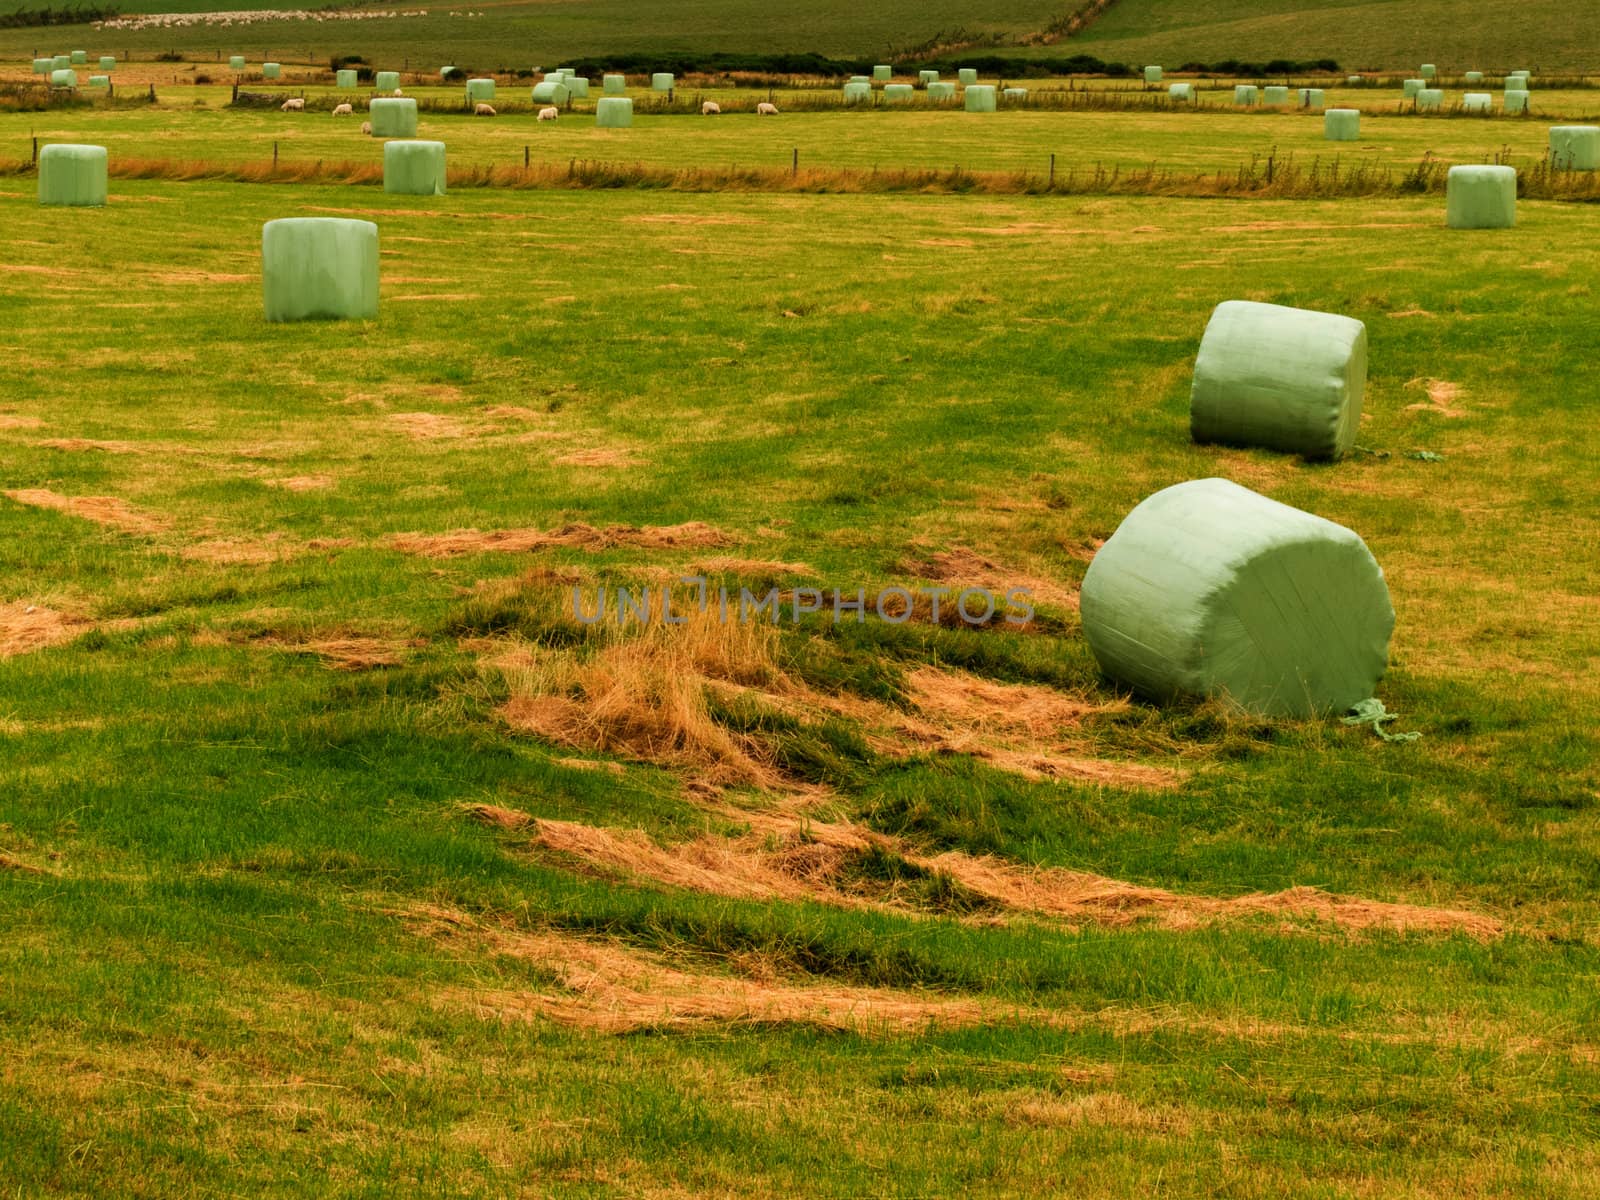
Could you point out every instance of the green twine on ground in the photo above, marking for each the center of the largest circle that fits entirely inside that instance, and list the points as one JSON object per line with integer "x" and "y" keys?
{"x": 1372, "y": 712}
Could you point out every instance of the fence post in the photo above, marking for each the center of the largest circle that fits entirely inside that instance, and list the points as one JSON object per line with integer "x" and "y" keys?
{"x": 1052, "y": 170}
{"x": 794, "y": 169}
{"x": 524, "y": 157}
{"x": 274, "y": 156}
{"x": 36, "y": 150}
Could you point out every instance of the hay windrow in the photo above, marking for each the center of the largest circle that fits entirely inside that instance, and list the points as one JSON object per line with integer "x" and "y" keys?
{"x": 346, "y": 652}
{"x": 962, "y": 567}
{"x": 25, "y": 627}
{"x": 81, "y": 444}
{"x": 102, "y": 510}
{"x": 691, "y": 534}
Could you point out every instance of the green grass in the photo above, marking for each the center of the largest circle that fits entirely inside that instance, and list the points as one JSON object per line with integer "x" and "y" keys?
{"x": 208, "y": 993}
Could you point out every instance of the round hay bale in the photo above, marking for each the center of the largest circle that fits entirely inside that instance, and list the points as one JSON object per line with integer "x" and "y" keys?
{"x": 1013, "y": 94}
{"x": 857, "y": 93}
{"x": 480, "y": 91}
{"x": 1275, "y": 96}
{"x": 99, "y": 81}
{"x": 446, "y": 72}
{"x": 235, "y": 62}
{"x": 1180, "y": 91}
{"x": 941, "y": 89}
{"x": 393, "y": 117}
{"x": 927, "y": 77}
{"x": 1522, "y": 75}
{"x": 967, "y": 76}
{"x": 108, "y": 62}
{"x": 43, "y": 66}
{"x": 1280, "y": 378}
{"x": 412, "y": 168}
{"x": 613, "y": 112}
{"x": 1477, "y": 102}
{"x": 1428, "y": 71}
{"x": 1473, "y": 77}
{"x": 1481, "y": 197}
{"x": 577, "y": 87}
{"x": 551, "y": 91}
{"x": 1152, "y": 74}
{"x": 1515, "y": 102}
{"x": 980, "y": 98}
{"x": 1575, "y": 147}
{"x": 72, "y": 176}
{"x": 346, "y": 79}
{"x": 319, "y": 267}
{"x": 1210, "y": 590}
{"x": 64, "y": 78}
{"x": 1430, "y": 99}
{"x": 661, "y": 81}
{"x": 882, "y": 73}
{"x": 614, "y": 85}
{"x": 271, "y": 70}
{"x": 78, "y": 58}
{"x": 866, "y": 79}
{"x": 60, "y": 62}
{"x": 1410, "y": 87}
{"x": 1355, "y": 80}
{"x": 1341, "y": 124}
{"x": 1311, "y": 97}
{"x": 898, "y": 93}
{"x": 1245, "y": 95}
{"x": 386, "y": 81}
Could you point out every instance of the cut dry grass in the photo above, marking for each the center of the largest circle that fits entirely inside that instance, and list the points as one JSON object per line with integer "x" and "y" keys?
{"x": 25, "y": 627}
{"x": 346, "y": 651}
{"x": 580, "y": 536}
{"x": 962, "y": 567}
{"x": 102, "y": 510}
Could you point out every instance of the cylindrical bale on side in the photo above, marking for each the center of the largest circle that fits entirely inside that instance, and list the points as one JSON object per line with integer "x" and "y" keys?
{"x": 393, "y": 117}
{"x": 1428, "y": 71}
{"x": 43, "y": 66}
{"x": 550, "y": 92}
{"x": 1477, "y": 102}
{"x": 1275, "y": 96}
{"x": 980, "y": 98}
{"x": 386, "y": 81}
{"x": 1515, "y": 102}
{"x": 1152, "y": 74}
{"x": 319, "y": 267}
{"x": 1246, "y": 94}
{"x": 857, "y": 93}
{"x": 1410, "y": 87}
{"x": 614, "y": 85}
{"x": 480, "y": 91}
{"x": 345, "y": 79}
{"x": 1430, "y": 99}
{"x": 271, "y": 70}
{"x": 1473, "y": 77}
{"x": 412, "y": 168}
{"x": 1014, "y": 94}
{"x": 1210, "y": 590}
{"x": 898, "y": 93}
{"x": 72, "y": 175}
{"x": 235, "y": 62}
{"x": 64, "y": 78}
{"x": 883, "y": 73}
{"x": 577, "y": 87}
{"x": 1310, "y": 97}
{"x": 941, "y": 89}
{"x": 1280, "y": 378}
{"x": 1481, "y": 197}
{"x": 613, "y": 112}
{"x": 1575, "y": 147}
{"x": 1341, "y": 124}
{"x": 99, "y": 81}
{"x": 79, "y": 58}
{"x": 661, "y": 81}
{"x": 1180, "y": 91}
{"x": 967, "y": 76}
{"x": 927, "y": 77}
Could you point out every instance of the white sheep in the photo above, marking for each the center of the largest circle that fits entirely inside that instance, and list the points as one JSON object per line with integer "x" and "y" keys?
{"x": 343, "y": 110}
{"x": 293, "y": 104}
{"x": 766, "y": 110}
{"x": 710, "y": 109}
{"x": 483, "y": 110}
{"x": 398, "y": 92}
{"x": 549, "y": 114}
{"x": 366, "y": 128}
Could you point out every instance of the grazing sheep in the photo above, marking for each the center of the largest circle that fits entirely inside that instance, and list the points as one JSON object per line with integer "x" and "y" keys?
{"x": 710, "y": 109}
{"x": 398, "y": 92}
{"x": 366, "y": 128}
{"x": 549, "y": 114}
{"x": 766, "y": 110}
{"x": 293, "y": 104}
{"x": 343, "y": 110}
{"x": 483, "y": 110}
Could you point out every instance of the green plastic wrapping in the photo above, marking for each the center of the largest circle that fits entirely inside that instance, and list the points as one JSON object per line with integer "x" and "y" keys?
{"x": 1515, "y": 102}
{"x": 857, "y": 93}
{"x": 1355, "y": 80}
{"x": 1245, "y": 94}
{"x": 64, "y": 78}
{"x": 577, "y": 87}
{"x": 446, "y": 72}
{"x": 614, "y": 85}
{"x": 1575, "y": 147}
{"x": 99, "y": 81}
{"x": 553, "y": 77}
{"x": 1280, "y": 378}
{"x": 1275, "y": 96}
{"x": 43, "y": 66}
{"x": 1152, "y": 74}
{"x": 480, "y": 91}
{"x": 412, "y": 168}
{"x": 1410, "y": 87}
{"x": 661, "y": 81}
{"x": 72, "y": 175}
{"x": 866, "y": 79}
{"x": 79, "y": 58}
{"x": 60, "y": 62}
{"x": 271, "y": 70}
{"x": 393, "y": 117}
{"x": 108, "y": 62}
{"x": 1015, "y": 93}
{"x": 1430, "y": 99}
{"x": 967, "y": 76}
{"x": 550, "y": 92}
{"x": 898, "y": 93}
{"x": 386, "y": 81}
{"x": 319, "y": 267}
{"x": 613, "y": 112}
{"x": 941, "y": 89}
{"x": 236, "y": 62}
{"x": 1428, "y": 71}
{"x": 1477, "y": 102}
{"x": 1481, "y": 197}
{"x": 927, "y": 77}
{"x": 883, "y": 73}
{"x": 1180, "y": 91}
{"x": 1522, "y": 75}
{"x": 345, "y": 79}
{"x": 980, "y": 98}
{"x": 1210, "y": 590}
{"x": 1341, "y": 124}
{"x": 1473, "y": 77}
{"x": 1311, "y": 97}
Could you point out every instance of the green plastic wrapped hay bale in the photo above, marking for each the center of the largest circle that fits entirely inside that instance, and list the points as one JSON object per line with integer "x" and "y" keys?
{"x": 1430, "y": 99}
{"x": 393, "y": 117}
{"x": 108, "y": 62}
{"x": 614, "y": 85}
{"x": 236, "y": 62}
{"x": 319, "y": 267}
{"x": 271, "y": 70}
{"x": 1477, "y": 102}
{"x": 857, "y": 93}
{"x": 1245, "y": 95}
{"x": 1575, "y": 147}
{"x": 661, "y": 81}
{"x": 980, "y": 98}
{"x": 1310, "y": 97}
{"x": 967, "y": 76}
{"x": 1522, "y": 75}
{"x": 1473, "y": 77}
{"x": 1515, "y": 102}
{"x": 1410, "y": 87}
{"x": 1275, "y": 96}
{"x": 882, "y": 73}
{"x": 64, "y": 78}
{"x": 43, "y": 66}
{"x": 1152, "y": 74}
{"x": 99, "y": 81}
{"x": 1428, "y": 71}
{"x": 898, "y": 93}
{"x": 412, "y": 168}
{"x": 446, "y": 72}
{"x": 72, "y": 175}
{"x": 1355, "y": 80}
{"x": 553, "y": 77}
{"x": 577, "y": 87}
{"x": 1180, "y": 91}
{"x": 386, "y": 81}
{"x": 1210, "y": 590}
{"x": 613, "y": 112}
{"x": 1013, "y": 94}
{"x": 550, "y": 92}
{"x": 1280, "y": 378}
{"x": 927, "y": 77}
{"x": 480, "y": 91}
{"x": 79, "y": 58}
{"x": 941, "y": 89}
{"x": 1481, "y": 197}
{"x": 866, "y": 79}
{"x": 345, "y": 79}
{"x": 60, "y": 62}
{"x": 1341, "y": 124}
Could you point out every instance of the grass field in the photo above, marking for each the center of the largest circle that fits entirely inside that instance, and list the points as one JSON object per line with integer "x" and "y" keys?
{"x": 309, "y": 892}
